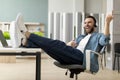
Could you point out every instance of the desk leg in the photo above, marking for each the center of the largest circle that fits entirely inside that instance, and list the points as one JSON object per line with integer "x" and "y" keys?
{"x": 38, "y": 67}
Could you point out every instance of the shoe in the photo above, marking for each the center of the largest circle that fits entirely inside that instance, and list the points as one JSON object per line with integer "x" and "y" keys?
{"x": 15, "y": 38}
{"x": 20, "y": 23}
{"x": 15, "y": 35}
{"x": 22, "y": 28}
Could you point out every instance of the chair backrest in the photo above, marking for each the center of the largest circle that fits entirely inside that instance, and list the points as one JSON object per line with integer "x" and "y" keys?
{"x": 117, "y": 47}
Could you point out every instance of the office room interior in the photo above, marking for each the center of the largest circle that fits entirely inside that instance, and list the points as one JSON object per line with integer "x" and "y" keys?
{"x": 62, "y": 20}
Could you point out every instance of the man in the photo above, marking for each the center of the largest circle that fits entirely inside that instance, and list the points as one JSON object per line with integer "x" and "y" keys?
{"x": 74, "y": 51}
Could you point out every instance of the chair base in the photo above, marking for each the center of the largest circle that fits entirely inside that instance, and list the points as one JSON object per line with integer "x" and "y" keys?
{"x": 75, "y": 72}
{"x": 74, "y": 69}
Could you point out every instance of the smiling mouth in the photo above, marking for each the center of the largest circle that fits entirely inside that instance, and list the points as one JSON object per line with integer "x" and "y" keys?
{"x": 87, "y": 28}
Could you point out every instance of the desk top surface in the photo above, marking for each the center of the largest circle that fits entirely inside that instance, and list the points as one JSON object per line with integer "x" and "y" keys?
{"x": 20, "y": 50}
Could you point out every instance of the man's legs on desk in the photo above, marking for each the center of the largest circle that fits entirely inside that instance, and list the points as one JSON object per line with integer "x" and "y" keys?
{"x": 54, "y": 48}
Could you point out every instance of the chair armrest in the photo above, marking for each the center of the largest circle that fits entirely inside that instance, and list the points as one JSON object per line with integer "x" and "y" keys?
{"x": 95, "y": 53}
{"x": 88, "y": 52}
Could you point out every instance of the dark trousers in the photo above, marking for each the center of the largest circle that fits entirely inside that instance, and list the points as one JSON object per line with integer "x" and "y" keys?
{"x": 57, "y": 49}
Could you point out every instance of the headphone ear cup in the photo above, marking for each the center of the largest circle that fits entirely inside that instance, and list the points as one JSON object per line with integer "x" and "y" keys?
{"x": 95, "y": 25}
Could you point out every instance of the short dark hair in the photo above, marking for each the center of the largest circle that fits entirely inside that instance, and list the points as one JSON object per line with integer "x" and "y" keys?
{"x": 93, "y": 20}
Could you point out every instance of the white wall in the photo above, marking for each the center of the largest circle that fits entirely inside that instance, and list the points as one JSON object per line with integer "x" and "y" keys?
{"x": 79, "y": 5}
{"x": 94, "y": 6}
{"x": 66, "y": 5}
{"x": 60, "y": 5}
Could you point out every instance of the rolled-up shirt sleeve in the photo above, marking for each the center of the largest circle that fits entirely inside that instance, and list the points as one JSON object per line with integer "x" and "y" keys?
{"x": 104, "y": 40}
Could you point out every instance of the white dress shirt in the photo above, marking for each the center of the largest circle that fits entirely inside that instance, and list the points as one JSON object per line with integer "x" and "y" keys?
{"x": 83, "y": 42}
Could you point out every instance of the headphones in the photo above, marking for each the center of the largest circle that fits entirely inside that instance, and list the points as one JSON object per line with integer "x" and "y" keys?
{"x": 93, "y": 20}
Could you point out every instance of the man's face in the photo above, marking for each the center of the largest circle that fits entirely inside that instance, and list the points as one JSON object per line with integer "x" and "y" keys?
{"x": 89, "y": 25}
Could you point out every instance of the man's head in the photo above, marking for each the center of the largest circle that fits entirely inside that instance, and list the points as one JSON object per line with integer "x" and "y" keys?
{"x": 89, "y": 24}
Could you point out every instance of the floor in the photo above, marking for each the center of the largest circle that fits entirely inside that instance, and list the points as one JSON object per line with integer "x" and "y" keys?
{"x": 24, "y": 69}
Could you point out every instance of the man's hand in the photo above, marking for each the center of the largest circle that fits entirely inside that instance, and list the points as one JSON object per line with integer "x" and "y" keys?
{"x": 108, "y": 19}
{"x": 72, "y": 43}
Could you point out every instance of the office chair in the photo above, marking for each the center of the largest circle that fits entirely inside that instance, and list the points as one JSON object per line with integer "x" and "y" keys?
{"x": 117, "y": 55}
{"x": 76, "y": 69}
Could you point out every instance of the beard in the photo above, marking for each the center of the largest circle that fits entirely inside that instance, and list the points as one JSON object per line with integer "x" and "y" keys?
{"x": 92, "y": 30}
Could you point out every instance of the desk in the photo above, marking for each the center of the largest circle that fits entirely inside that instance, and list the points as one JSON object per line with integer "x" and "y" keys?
{"x": 24, "y": 52}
